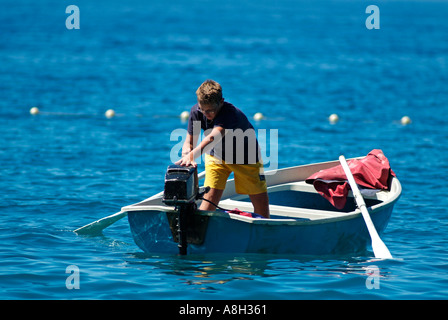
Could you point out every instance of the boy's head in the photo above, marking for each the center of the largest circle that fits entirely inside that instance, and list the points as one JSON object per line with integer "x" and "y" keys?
{"x": 210, "y": 98}
{"x": 209, "y": 93}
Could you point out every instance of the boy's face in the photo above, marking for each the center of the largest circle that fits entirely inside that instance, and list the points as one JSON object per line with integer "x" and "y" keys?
{"x": 210, "y": 110}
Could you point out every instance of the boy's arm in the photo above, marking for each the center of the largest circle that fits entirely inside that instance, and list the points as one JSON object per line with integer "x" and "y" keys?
{"x": 209, "y": 141}
{"x": 189, "y": 143}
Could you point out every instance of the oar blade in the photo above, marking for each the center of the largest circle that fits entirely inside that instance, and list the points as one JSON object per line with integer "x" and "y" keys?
{"x": 380, "y": 250}
{"x": 96, "y": 227}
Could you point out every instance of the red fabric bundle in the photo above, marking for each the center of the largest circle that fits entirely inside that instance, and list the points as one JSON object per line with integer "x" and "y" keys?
{"x": 372, "y": 171}
{"x": 243, "y": 213}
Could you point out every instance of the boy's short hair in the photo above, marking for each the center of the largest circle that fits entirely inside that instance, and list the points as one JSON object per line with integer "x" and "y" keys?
{"x": 210, "y": 92}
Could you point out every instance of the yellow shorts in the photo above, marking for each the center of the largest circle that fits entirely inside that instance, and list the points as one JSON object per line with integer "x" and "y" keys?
{"x": 249, "y": 178}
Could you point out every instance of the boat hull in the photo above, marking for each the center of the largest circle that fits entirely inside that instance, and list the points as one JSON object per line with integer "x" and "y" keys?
{"x": 152, "y": 233}
{"x": 302, "y": 221}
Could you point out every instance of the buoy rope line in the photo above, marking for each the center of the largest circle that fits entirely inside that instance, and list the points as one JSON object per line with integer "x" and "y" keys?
{"x": 110, "y": 113}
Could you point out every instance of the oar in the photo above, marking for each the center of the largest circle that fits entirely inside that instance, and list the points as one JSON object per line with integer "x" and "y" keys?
{"x": 379, "y": 248}
{"x": 96, "y": 227}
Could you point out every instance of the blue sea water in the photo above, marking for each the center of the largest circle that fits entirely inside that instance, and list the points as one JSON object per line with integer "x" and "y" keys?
{"x": 295, "y": 61}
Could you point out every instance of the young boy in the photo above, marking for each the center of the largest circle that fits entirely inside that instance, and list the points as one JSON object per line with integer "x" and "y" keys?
{"x": 239, "y": 154}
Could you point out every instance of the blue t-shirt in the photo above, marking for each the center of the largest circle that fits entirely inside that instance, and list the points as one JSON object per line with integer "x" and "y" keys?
{"x": 239, "y": 144}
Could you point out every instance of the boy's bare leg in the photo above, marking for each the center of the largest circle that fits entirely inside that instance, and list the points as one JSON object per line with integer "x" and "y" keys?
{"x": 261, "y": 204}
{"x": 259, "y": 201}
{"x": 214, "y": 195}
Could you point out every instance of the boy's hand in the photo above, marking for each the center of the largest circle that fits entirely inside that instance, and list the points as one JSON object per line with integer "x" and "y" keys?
{"x": 187, "y": 160}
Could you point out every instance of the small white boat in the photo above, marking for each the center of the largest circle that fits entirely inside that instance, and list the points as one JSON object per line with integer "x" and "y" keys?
{"x": 301, "y": 222}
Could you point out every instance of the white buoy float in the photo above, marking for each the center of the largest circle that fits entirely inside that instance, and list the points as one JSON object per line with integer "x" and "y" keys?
{"x": 258, "y": 116}
{"x": 110, "y": 113}
{"x": 405, "y": 120}
{"x": 333, "y": 118}
{"x": 34, "y": 111}
{"x": 184, "y": 115}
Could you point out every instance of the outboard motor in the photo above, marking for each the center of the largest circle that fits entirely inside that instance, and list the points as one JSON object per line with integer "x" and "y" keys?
{"x": 182, "y": 191}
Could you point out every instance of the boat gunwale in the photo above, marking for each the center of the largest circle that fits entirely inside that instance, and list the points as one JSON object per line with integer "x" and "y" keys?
{"x": 331, "y": 216}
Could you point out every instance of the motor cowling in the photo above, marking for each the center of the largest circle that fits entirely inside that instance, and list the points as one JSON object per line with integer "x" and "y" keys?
{"x": 181, "y": 185}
